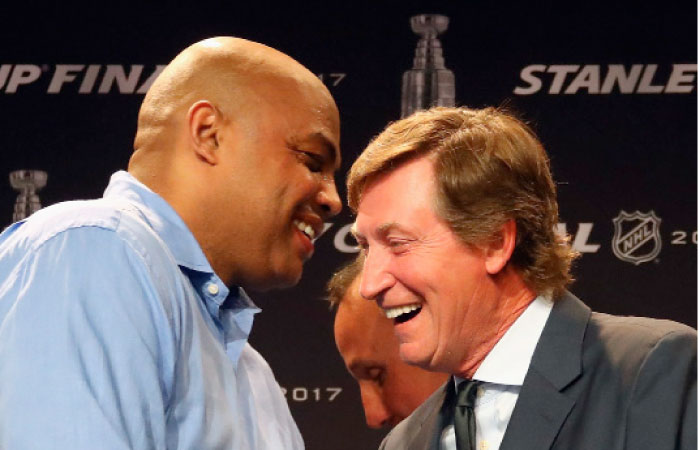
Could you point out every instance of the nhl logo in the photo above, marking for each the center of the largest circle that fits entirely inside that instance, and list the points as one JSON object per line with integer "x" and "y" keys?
{"x": 637, "y": 237}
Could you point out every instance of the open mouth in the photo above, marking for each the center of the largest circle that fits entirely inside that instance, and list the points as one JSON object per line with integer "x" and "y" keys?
{"x": 401, "y": 314}
{"x": 305, "y": 228}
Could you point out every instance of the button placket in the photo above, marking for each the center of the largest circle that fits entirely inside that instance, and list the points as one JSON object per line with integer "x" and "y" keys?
{"x": 212, "y": 288}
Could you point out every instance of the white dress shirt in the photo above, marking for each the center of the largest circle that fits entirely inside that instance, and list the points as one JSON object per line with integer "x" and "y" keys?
{"x": 502, "y": 374}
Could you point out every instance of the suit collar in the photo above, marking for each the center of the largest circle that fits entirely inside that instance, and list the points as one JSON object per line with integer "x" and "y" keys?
{"x": 431, "y": 419}
{"x": 542, "y": 407}
{"x": 558, "y": 354}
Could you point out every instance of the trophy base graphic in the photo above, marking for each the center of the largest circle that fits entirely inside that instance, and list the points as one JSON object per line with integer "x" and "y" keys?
{"x": 28, "y": 183}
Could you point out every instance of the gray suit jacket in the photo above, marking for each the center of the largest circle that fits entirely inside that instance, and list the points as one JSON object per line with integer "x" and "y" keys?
{"x": 595, "y": 382}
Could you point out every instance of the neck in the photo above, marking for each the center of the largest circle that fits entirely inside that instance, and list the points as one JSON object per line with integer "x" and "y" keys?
{"x": 513, "y": 298}
{"x": 180, "y": 184}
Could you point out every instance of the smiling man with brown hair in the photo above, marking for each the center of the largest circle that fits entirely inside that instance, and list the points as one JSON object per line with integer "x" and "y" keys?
{"x": 456, "y": 213}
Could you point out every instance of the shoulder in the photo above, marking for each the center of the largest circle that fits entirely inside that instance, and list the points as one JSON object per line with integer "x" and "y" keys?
{"x": 637, "y": 335}
{"x": 51, "y": 221}
{"x": 88, "y": 225}
{"x": 637, "y": 350}
{"x": 620, "y": 340}
{"x": 93, "y": 247}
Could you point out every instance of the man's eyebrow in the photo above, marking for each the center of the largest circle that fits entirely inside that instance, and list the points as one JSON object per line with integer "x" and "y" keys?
{"x": 386, "y": 227}
{"x": 382, "y": 230}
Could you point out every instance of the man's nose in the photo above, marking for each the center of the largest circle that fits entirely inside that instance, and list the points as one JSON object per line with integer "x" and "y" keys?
{"x": 375, "y": 277}
{"x": 376, "y": 413}
{"x": 329, "y": 199}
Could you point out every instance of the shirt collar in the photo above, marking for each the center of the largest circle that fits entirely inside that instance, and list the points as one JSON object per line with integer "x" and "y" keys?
{"x": 232, "y": 309}
{"x": 509, "y": 360}
{"x": 179, "y": 239}
{"x": 162, "y": 218}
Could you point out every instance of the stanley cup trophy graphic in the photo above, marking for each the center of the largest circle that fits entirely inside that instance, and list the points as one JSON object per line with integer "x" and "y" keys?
{"x": 28, "y": 183}
{"x": 428, "y": 83}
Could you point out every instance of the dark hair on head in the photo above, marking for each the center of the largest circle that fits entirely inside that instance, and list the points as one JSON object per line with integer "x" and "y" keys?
{"x": 341, "y": 280}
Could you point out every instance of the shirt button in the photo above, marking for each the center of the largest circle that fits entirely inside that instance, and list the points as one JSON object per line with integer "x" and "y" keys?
{"x": 484, "y": 445}
{"x": 212, "y": 288}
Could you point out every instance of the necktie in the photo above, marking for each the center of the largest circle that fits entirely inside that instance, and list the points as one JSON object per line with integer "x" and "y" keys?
{"x": 465, "y": 423}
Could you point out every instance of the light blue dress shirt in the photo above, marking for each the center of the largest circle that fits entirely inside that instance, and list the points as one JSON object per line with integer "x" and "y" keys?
{"x": 115, "y": 333}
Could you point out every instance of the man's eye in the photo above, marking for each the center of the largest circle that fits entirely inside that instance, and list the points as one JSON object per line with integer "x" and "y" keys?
{"x": 360, "y": 243}
{"x": 397, "y": 244}
{"x": 377, "y": 375}
{"x": 312, "y": 161}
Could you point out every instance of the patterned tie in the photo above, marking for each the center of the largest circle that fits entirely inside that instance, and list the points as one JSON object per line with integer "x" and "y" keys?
{"x": 465, "y": 423}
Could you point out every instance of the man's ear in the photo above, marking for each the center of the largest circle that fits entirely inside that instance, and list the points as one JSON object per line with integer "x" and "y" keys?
{"x": 500, "y": 249}
{"x": 204, "y": 122}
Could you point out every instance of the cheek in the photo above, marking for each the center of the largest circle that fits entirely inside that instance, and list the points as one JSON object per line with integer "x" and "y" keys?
{"x": 411, "y": 273}
{"x": 458, "y": 293}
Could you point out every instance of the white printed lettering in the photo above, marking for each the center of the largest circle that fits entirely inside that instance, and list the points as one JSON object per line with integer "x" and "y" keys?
{"x": 4, "y": 72}
{"x": 23, "y": 74}
{"x": 645, "y": 86}
{"x": 527, "y": 75}
{"x": 580, "y": 242}
{"x": 147, "y": 84}
{"x": 341, "y": 240}
{"x": 680, "y": 82}
{"x": 63, "y": 74}
{"x": 625, "y": 82}
{"x": 90, "y": 78}
{"x": 560, "y": 72}
{"x": 126, "y": 85}
{"x": 588, "y": 78}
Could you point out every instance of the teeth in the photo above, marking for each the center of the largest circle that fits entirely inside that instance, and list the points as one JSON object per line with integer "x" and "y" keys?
{"x": 392, "y": 313}
{"x": 305, "y": 228}
{"x": 309, "y": 231}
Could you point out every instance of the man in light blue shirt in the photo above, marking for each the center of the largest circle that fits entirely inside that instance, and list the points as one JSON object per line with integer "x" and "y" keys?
{"x": 123, "y": 320}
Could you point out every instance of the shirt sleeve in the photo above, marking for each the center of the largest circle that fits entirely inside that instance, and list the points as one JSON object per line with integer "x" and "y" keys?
{"x": 663, "y": 409}
{"x": 84, "y": 347}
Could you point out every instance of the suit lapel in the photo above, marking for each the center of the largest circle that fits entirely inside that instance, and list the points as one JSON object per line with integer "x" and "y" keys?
{"x": 426, "y": 433}
{"x": 542, "y": 408}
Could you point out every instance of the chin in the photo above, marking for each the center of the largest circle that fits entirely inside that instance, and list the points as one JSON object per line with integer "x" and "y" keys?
{"x": 277, "y": 281}
{"x": 410, "y": 357}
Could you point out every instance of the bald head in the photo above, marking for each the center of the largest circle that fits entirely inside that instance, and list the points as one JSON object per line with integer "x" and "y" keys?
{"x": 229, "y": 72}
{"x": 243, "y": 142}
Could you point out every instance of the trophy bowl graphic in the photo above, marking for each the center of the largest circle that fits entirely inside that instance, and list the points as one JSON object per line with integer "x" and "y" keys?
{"x": 429, "y": 24}
{"x": 27, "y": 183}
{"x": 428, "y": 83}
